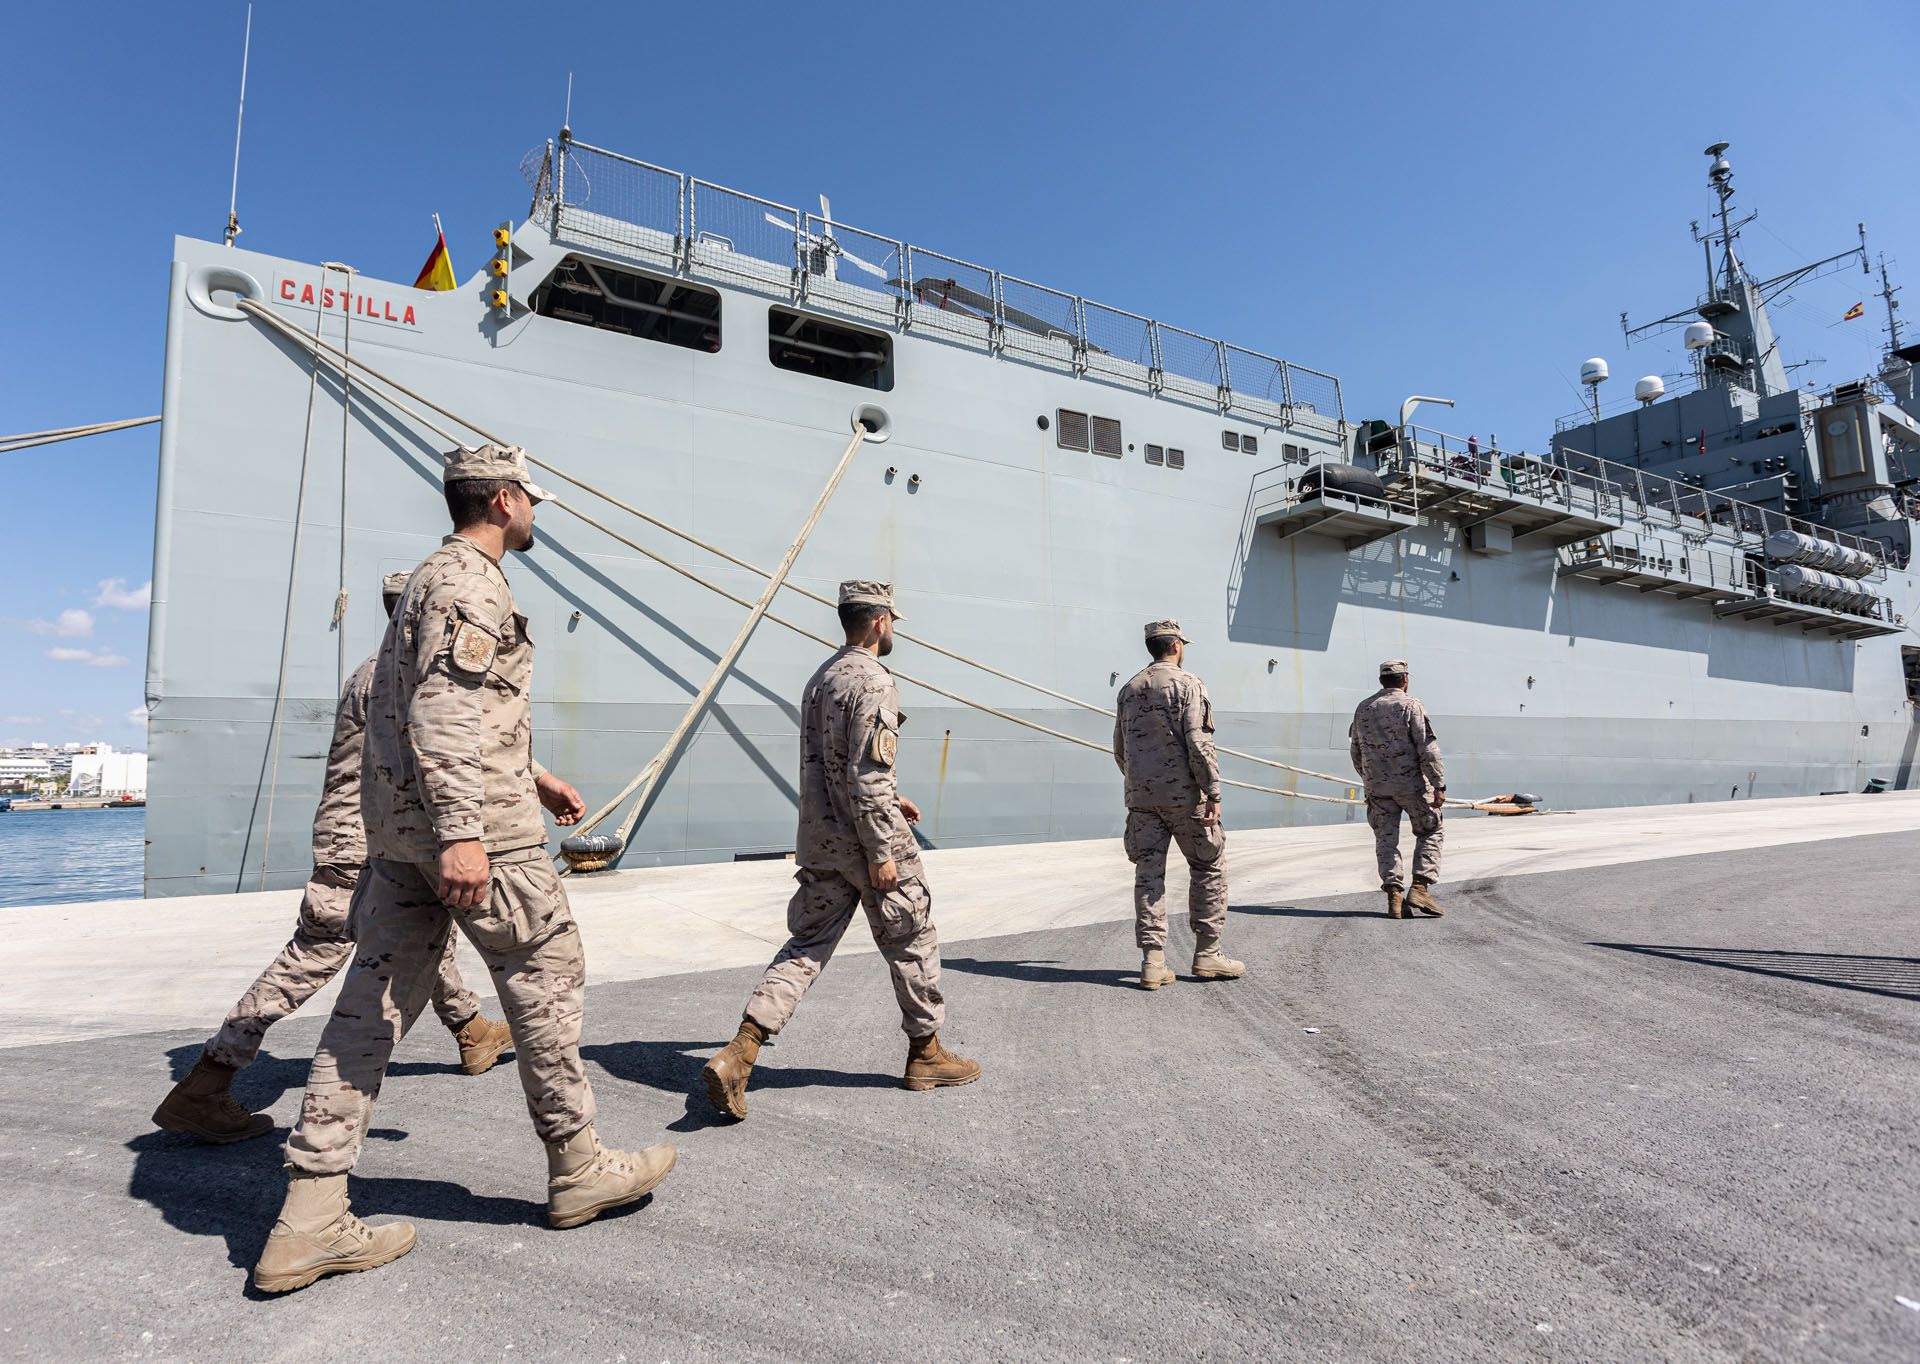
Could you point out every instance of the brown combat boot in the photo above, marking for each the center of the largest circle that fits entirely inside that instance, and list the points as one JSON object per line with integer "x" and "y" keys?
{"x": 1395, "y": 899}
{"x": 1210, "y": 963}
{"x": 202, "y": 1106}
{"x": 481, "y": 1042}
{"x": 1417, "y": 898}
{"x": 317, "y": 1234}
{"x": 932, "y": 1066}
{"x": 585, "y": 1179}
{"x": 726, "y": 1074}
{"x": 1154, "y": 971}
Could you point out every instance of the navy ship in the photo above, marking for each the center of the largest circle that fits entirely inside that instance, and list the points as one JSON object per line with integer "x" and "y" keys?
{"x": 1701, "y": 598}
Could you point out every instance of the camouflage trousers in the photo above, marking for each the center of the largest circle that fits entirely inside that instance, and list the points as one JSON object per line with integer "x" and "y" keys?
{"x": 817, "y": 918}
{"x": 1205, "y": 848}
{"x": 1429, "y": 832}
{"x": 525, "y": 933}
{"x": 321, "y": 943}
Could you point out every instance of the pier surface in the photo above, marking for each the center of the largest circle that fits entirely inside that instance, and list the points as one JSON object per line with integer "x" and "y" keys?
{"x": 1650, "y": 1089}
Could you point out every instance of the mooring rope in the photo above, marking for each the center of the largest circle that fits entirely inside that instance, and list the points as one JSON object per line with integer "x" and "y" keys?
{"x": 27, "y": 440}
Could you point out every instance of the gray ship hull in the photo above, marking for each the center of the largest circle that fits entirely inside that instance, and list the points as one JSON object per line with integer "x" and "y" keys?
{"x": 1003, "y": 546}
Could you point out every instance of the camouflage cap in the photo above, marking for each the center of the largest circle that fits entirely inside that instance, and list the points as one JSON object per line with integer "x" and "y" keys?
{"x": 492, "y": 461}
{"x": 1395, "y": 666}
{"x": 1157, "y": 628}
{"x": 866, "y": 592}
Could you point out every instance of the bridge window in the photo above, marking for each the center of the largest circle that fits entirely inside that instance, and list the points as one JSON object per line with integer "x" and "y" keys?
{"x": 829, "y": 350}
{"x": 610, "y": 298}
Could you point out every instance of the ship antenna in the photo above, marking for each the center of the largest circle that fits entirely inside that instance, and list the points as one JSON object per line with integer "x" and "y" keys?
{"x": 566, "y": 118}
{"x": 1887, "y": 292}
{"x": 233, "y": 195}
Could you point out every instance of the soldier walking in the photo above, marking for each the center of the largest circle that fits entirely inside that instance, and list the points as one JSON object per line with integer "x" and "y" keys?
{"x": 1393, "y": 748}
{"x": 854, "y": 847}
{"x": 202, "y": 1105}
{"x": 1163, "y": 742}
{"x": 452, "y": 796}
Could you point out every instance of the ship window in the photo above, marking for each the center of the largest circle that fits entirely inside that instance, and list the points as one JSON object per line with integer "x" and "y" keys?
{"x": 1176, "y": 459}
{"x": 1156, "y": 455}
{"x": 1910, "y": 660}
{"x": 1290, "y": 453}
{"x": 1073, "y": 430}
{"x": 1106, "y": 436}
{"x": 592, "y": 293}
{"x": 1229, "y": 440}
{"x": 1250, "y": 444}
{"x": 829, "y": 350}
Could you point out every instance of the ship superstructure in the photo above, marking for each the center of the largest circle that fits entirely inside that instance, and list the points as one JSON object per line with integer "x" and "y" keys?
{"x": 1057, "y": 470}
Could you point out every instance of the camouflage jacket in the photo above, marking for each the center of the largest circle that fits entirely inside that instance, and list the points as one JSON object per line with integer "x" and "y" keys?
{"x": 339, "y": 838}
{"x": 450, "y": 715}
{"x": 1392, "y": 745}
{"x": 850, "y": 815}
{"x": 1163, "y": 738}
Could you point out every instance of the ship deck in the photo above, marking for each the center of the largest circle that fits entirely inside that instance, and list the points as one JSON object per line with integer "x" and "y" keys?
{"x": 1646, "y": 1091}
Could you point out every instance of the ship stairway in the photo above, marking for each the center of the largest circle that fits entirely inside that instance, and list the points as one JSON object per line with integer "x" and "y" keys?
{"x": 1660, "y": 564}
{"x": 1521, "y": 494}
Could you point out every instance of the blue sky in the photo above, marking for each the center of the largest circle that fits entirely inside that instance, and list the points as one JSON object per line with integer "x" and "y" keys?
{"x": 1454, "y": 199}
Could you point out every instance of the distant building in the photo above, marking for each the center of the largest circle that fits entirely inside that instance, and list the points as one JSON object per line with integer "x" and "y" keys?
{"x": 99, "y": 771}
{"x": 19, "y": 773}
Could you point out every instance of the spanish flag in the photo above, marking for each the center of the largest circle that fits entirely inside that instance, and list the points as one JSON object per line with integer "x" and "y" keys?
{"x": 437, "y": 273}
{"x": 1857, "y": 310}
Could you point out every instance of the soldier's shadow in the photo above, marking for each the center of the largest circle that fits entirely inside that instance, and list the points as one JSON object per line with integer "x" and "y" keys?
{"x": 1042, "y": 972}
{"x": 674, "y": 1068}
{"x": 1304, "y": 912}
{"x": 270, "y": 1078}
{"x": 235, "y": 1191}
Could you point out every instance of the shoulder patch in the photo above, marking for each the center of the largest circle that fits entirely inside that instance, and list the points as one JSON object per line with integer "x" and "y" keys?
{"x": 886, "y": 745}
{"x": 473, "y": 648}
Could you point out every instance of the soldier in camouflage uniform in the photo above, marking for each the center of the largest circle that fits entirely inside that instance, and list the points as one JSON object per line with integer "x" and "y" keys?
{"x": 451, "y": 796}
{"x": 1393, "y": 749}
{"x": 202, "y": 1105}
{"x": 1163, "y": 743}
{"x": 854, "y": 847}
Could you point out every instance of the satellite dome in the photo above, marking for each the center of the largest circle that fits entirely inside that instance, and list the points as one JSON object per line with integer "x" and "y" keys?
{"x": 1699, "y": 335}
{"x": 1593, "y": 371}
{"x": 1650, "y": 389}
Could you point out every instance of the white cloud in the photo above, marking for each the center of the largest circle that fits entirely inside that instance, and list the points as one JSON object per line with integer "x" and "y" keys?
{"x": 72, "y": 623}
{"x": 113, "y": 592}
{"x": 137, "y": 716}
{"x": 103, "y": 659}
{"x": 26, "y": 719}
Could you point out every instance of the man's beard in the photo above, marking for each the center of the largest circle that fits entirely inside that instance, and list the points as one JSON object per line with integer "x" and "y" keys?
{"x": 526, "y": 544}
{"x": 886, "y": 645}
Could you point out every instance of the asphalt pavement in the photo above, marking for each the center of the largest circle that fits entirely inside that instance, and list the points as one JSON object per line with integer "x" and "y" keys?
{"x": 1666, "y": 1109}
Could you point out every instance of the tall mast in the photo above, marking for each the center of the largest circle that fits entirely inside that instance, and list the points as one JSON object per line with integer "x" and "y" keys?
{"x": 1887, "y": 292}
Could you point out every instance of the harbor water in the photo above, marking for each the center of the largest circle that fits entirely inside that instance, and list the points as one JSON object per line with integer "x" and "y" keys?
{"x": 48, "y": 856}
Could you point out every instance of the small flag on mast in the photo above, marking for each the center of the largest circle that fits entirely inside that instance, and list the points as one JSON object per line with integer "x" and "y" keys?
{"x": 437, "y": 273}
{"x": 1857, "y": 310}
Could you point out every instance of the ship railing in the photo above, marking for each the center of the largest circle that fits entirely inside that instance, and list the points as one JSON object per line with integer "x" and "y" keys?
{"x": 1725, "y": 568}
{"x": 1583, "y": 482}
{"x": 1424, "y": 452}
{"x": 677, "y": 222}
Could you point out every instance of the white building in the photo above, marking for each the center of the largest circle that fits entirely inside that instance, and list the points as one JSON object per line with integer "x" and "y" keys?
{"x": 99, "y": 771}
{"x": 15, "y": 769}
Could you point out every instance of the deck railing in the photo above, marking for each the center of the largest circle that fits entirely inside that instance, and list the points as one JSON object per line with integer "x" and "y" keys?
{"x": 583, "y": 192}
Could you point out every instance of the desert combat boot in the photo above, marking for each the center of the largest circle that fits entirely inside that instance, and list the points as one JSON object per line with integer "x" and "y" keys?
{"x": 481, "y": 1041}
{"x": 1417, "y": 898}
{"x": 1396, "y": 899}
{"x": 726, "y": 1074}
{"x": 203, "y": 1106}
{"x": 1210, "y": 963}
{"x": 932, "y": 1066}
{"x": 1154, "y": 971}
{"x": 317, "y": 1234}
{"x": 585, "y": 1179}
